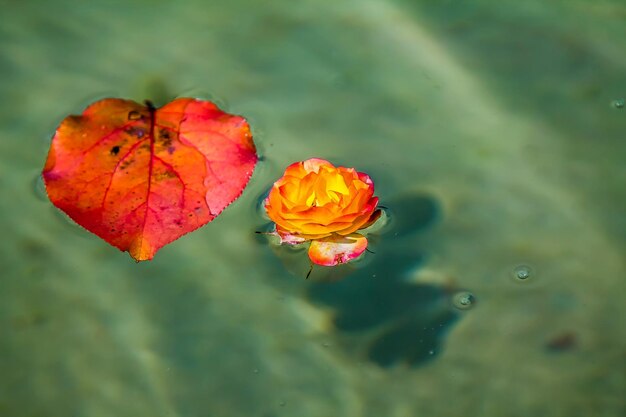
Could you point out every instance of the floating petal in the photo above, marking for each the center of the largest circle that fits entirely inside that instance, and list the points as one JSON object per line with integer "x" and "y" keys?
{"x": 337, "y": 249}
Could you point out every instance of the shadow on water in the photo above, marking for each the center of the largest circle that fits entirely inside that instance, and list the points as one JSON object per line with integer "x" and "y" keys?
{"x": 398, "y": 321}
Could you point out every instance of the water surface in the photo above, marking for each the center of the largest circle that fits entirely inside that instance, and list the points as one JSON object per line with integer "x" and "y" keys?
{"x": 491, "y": 131}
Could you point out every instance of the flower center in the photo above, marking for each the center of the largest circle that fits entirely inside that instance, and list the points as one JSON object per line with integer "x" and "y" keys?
{"x": 327, "y": 189}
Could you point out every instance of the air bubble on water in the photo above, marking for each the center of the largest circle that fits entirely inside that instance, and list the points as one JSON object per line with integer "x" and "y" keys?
{"x": 619, "y": 103}
{"x": 522, "y": 272}
{"x": 39, "y": 187}
{"x": 463, "y": 300}
{"x": 282, "y": 403}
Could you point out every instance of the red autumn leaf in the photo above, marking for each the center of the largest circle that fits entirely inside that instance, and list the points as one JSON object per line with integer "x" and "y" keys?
{"x": 140, "y": 177}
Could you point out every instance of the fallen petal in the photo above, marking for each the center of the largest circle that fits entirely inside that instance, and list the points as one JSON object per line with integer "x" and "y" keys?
{"x": 337, "y": 249}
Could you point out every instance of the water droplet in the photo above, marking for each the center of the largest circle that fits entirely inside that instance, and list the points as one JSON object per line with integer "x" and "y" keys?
{"x": 463, "y": 300}
{"x": 39, "y": 187}
{"x": 522, "y": 272}
{"x": 134, "y": 115}
{"x": 619, "y": 103}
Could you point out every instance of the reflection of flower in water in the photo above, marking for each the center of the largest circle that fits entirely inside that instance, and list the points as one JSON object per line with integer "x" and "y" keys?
{"x": 326, "y": 205}
{"x": 382, "y": 312}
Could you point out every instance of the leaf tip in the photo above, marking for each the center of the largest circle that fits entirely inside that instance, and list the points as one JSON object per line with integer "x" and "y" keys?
{"x": 141, "y": 250}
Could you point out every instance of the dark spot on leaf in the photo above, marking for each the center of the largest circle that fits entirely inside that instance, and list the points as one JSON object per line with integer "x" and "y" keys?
{"x": 126, "y": 163}
{"x": 134, "y": 115}
{"x": 165, "y": 175}
{"x": 115, "y": 150}
{"x": 136, "y": 131}
{"x": 165, "y": 138}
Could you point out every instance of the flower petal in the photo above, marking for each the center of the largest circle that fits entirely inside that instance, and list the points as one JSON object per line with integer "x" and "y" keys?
{"x": 314, "y": 164}
{"x": 292, "y": 238}
{"x": 373, "y": 218}
{"x": 288, "y": 238}
{"x": 335, "y": 249}
{"x": 357, "y": 224}
{"x": 366, "y": 179}
{"x": 295, "y": 170}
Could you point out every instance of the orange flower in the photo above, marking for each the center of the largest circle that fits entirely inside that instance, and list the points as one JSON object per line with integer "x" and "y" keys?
{"x": 318, "y": 202}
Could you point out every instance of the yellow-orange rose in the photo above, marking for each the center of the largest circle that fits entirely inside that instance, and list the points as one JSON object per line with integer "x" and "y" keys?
{"x": 317, "y": 201}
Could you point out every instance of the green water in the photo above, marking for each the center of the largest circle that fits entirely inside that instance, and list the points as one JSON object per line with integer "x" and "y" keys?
{"x": 492, "y": 133}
